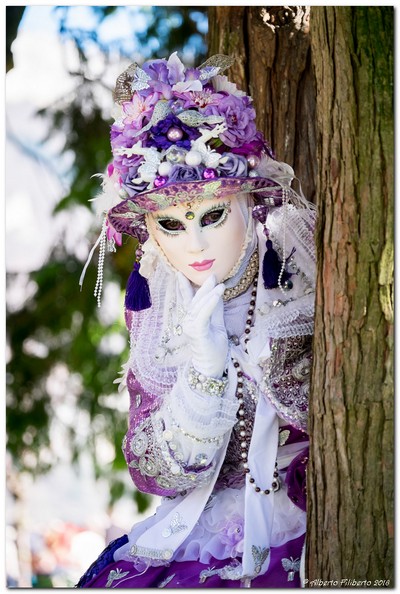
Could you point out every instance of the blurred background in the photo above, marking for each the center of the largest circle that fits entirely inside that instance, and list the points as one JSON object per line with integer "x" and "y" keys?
{"x": 68, "y": 492}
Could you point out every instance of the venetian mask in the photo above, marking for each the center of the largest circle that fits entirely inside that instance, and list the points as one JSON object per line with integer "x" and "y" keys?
{"x": 201, "y": 238}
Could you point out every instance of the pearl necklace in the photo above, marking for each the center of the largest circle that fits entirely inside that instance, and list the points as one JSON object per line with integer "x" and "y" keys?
{"x": 244, "y": 446}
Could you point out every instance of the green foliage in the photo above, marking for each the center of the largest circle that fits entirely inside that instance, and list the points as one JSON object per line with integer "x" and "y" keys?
{"x": 63, "y": 322}
{"x": 59, "y": 325}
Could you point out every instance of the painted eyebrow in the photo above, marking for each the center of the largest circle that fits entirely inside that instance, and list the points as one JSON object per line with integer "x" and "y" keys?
{"x": 171, "y": 217}
{"x": 221, "y": 206}
{"x": 167, "y": 218}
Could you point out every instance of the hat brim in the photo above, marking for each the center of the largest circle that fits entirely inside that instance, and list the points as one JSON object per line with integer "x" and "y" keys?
{"x": 128, "y": 216}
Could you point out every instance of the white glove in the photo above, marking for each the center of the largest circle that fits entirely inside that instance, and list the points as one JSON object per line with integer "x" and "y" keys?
{"x": 204, "y": 325}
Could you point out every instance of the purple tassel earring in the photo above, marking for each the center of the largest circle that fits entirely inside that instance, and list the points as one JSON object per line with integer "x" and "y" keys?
{"x": 137, "y": 296}
{"x": 273, "y": 271}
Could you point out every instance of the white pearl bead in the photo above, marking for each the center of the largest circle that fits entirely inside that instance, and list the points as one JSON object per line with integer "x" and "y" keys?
{"x": 193, "y": 158}
{"x": 164, "y": 169}
{"x": 148, "y": 177}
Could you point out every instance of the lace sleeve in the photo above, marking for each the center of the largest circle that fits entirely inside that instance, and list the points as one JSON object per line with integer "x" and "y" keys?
{"x": 286, "y": 378}
{"x": 174, "y": 442}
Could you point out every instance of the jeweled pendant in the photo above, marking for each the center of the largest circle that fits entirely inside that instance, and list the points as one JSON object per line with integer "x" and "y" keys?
{"x": 190, "y": 215}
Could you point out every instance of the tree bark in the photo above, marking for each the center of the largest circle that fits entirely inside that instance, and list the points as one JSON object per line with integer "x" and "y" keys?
{"x": 272, "y": 50}
{"x": 350, "y": 474}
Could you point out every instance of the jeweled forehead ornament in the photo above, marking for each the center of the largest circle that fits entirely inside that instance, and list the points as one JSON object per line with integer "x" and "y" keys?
{"x": 192, "y": 207}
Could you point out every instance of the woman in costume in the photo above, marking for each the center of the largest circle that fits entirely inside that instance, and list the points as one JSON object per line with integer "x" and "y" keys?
{"x": 219, "y": 307}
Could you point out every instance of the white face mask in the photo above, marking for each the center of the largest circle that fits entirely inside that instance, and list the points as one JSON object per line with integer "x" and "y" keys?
{"x": 203, "y": 240}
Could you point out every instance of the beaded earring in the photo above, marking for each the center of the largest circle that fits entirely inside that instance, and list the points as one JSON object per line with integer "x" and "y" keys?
{"x": 273, "y": 270}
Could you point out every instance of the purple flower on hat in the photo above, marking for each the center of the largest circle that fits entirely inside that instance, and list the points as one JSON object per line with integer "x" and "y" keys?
{"x": 234, "y": 166}
{"x": 133, "y": 188}
{"x": 180, "y": 173}
{"x": 200, "y": 99}
{"x": 160, "y": 130}
{"x": 139, "y": 108}
{"x": 113, "y": 234}
{"x": 157, "y": 70}
{"x": 176, "y": 69}
{"x": 239, "y": 117}
{"x": 255, "y": 146}
{"x": 123, "y": 163}
{"x": 192, "y": 74}
{"x": 159, "y": 82}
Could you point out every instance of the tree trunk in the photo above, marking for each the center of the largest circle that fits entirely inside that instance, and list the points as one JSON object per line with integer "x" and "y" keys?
{"x": 350, "y": 474}
{"x": 272, "y": 50}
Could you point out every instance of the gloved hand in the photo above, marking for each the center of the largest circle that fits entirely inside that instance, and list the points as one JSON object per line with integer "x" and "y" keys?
{"x": 204, "y": 325}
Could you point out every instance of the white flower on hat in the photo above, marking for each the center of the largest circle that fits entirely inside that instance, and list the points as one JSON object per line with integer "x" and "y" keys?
{"x": 118, "y": 114}
{"x": 221, "y": 83}
{"x": 188, "y": 85}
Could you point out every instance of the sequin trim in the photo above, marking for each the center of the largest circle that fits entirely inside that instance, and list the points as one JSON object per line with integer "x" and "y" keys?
{"x": 245, "y": 281}
{"x": 286, "y": 378}
{"x": 163, "y": 554}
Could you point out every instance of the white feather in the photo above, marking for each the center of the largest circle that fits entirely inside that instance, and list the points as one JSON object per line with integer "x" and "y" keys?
{"x": 108, "y": 197}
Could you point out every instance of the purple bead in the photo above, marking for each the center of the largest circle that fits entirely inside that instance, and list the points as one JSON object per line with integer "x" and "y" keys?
{"x": 160, "y": 181}
{"x": 209, "y": 173}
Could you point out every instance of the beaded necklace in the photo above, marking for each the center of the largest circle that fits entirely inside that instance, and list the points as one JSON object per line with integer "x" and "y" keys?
{"x": 243, "y": 433}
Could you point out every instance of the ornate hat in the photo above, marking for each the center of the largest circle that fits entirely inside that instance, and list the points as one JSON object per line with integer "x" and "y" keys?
{"x": 181, "y": 134}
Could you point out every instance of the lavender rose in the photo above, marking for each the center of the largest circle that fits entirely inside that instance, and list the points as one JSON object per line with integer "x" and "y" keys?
{"x": 185, "y": 173}
{"x": 235, "y": 166}
{"x": 134, "y": 189}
